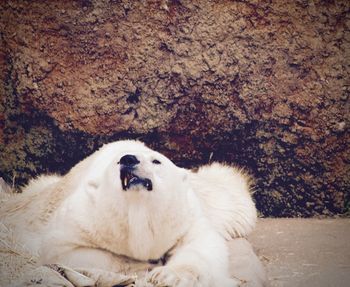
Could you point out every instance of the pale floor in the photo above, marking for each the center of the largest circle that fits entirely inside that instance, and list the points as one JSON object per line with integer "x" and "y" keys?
{"x": 304, "y": 252}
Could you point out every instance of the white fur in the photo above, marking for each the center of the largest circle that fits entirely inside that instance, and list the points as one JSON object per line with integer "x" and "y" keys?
{"x": 85, "y": 219}
{"x": 225, "y": 197}
{"x": 41, "y": 183}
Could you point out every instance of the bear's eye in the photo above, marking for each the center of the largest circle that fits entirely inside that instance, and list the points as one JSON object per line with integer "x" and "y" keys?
{"x": 155, "y": 161}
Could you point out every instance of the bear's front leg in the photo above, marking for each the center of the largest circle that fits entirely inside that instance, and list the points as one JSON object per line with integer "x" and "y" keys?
{"x": 199, "y": 259}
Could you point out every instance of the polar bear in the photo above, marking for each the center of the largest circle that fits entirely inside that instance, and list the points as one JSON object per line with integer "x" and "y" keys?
{"x": 128, "y": 209}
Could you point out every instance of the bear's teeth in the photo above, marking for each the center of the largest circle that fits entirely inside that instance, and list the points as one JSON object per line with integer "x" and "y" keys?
{"x": 125, "y": 181}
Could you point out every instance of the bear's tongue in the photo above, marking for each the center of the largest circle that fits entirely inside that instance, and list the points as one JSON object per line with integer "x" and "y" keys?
{"x": 129, "y": 179}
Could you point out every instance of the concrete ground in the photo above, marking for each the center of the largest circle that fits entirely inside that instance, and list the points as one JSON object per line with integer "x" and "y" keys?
{"x": 304, "y": 252}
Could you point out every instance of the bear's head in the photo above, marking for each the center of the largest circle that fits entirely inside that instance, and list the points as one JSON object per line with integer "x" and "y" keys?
{"x": 126, "y": 191}
{"x": 129, "y": 171}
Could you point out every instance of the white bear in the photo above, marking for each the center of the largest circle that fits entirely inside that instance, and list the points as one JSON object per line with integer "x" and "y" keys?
{"x": 129, "y": 209}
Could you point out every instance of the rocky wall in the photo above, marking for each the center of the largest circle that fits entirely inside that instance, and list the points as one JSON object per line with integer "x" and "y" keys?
{"x": 262, "y": 84}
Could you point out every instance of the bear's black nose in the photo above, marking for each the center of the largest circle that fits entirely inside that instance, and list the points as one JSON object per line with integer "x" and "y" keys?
{"x": 129, "y": 160}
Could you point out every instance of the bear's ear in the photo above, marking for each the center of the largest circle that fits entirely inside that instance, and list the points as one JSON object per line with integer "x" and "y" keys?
{"x": 89, "y": 188}
{"x": 185, "y": 174}
{"x": 92, "y": 185}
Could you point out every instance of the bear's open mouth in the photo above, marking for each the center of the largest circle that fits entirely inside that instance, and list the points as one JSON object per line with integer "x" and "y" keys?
{"x": 128, "y": 179}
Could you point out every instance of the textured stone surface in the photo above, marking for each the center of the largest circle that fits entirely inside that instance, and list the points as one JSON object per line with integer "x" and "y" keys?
{"x": 264, "y": 85}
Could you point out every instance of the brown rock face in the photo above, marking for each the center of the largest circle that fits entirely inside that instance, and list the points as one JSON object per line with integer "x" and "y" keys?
{"x": 264, "y": 85}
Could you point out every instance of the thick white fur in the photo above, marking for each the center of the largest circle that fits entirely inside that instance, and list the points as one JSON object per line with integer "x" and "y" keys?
{"x": 225, "y": 198}
{"x": 85, "y": 219}
{"x": 42, "y": 183}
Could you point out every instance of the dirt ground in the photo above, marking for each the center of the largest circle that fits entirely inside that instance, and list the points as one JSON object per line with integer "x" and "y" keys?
{"x": 304, "y": 252}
